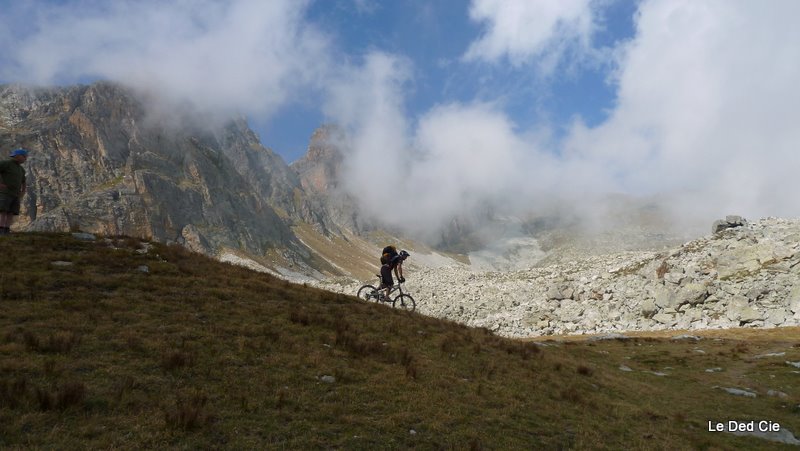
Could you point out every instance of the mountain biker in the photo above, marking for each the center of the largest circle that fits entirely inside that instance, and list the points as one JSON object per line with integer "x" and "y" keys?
{"x": 392, "y": 263}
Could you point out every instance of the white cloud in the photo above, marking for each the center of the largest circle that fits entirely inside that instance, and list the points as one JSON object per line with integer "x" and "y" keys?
{"x": 707, "y": 109}
{"x": 367, "y": 101}
{"x": 471, "y": 156}
{"x": 243, "y": 56}
{"x": 704, "y": 121}
{"x": 453, "y": 160}
{"x": 524, "y": 30}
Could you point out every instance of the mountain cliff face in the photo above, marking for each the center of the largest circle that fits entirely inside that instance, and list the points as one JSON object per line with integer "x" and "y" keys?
{"x": 320, "y": 172}
{"x": 101, "y": 163}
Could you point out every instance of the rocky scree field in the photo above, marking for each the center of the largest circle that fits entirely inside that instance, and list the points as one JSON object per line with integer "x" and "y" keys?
{"x": 746, "y": 275}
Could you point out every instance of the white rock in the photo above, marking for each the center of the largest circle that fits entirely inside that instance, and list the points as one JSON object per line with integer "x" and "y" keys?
{"x": 673, "y": 277}
{"x": 739, "y": 392}
{"x": 777, "y": 394}
{"x": 648, "y": 308}
{"x": 664, "y": 318}
{"x": 771, "y": 354}
{"x": 686, "y": 337}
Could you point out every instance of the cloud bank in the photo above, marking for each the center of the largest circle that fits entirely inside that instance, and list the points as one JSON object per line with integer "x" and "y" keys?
{"x": 706, "y": 97}
{"x": 234, "y": 56}
{"x": 704, "y": 120}
{"x": 521, "y": 30}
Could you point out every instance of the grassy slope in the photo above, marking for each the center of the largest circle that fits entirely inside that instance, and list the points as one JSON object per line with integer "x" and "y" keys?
{"x": 197, "y": 353}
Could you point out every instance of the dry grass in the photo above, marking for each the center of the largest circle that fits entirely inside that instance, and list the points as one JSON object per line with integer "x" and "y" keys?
{"x": 199, "y": 354}
{"x": 662, "y": 269}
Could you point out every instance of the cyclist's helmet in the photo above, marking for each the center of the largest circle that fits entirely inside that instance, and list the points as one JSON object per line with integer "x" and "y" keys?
{"x": 404, "y": 254}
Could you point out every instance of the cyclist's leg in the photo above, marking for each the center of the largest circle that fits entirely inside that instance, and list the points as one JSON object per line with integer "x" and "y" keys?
{"x": 386, "y": 279}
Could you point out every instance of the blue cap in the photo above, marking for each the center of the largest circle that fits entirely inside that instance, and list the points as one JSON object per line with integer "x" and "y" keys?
{"x": 16, "y": 152}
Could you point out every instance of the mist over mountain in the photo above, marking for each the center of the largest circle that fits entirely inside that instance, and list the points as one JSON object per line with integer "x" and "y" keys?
{"x": 450, "y": 114}
{"x": 115, "y": 160}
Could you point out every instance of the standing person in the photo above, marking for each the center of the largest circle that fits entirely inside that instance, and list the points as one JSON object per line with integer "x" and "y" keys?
{"x": 394, "y": 264}
{"x": 12, "y": 188}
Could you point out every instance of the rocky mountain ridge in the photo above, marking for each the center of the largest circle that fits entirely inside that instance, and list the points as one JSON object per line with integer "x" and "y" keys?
{"x": 103, "y": 162}
{"x": 741, "y": 276}
{"x": 106, "y": 159}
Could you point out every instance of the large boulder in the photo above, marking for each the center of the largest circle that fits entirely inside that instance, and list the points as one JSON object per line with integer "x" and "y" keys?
{"x": 740, "y": 310}
{"x": 740, "y": 261}
{"x": 692, "y": 294}
{"x": 665, "y": 319}
{"x": 730, "y": 221}
{"x": 648, "y": 308}
{"x": 557, "y": 292}
{"x": 666, "y": 298}
{"x": 794, "y": 299}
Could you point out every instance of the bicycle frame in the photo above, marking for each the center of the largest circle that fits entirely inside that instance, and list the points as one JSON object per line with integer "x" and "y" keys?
{"x": 371, "y": 293}
{"x": 395, "y": 287}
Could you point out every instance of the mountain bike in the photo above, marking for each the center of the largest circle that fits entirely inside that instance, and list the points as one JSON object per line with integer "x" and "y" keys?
{"x": 403, "y": 300}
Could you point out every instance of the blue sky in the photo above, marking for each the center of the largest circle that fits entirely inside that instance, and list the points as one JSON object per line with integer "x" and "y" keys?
{"x": 506, "y": 102}
{"x": 434, "y": 36}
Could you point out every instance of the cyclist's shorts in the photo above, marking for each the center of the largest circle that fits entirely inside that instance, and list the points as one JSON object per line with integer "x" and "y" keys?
{"x": 386, "y": 276}
{"x": 10, "y": 204}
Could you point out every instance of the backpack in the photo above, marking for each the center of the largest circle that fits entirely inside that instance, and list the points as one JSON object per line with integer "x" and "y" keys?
{"x": 388, "y": 253}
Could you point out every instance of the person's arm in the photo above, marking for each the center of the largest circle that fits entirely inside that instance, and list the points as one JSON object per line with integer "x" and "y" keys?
{"x": 22, "y": 189}
{"x": 398, "y": 271}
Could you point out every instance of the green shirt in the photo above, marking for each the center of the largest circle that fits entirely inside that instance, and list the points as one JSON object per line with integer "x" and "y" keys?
{"x": 12, "y": 175}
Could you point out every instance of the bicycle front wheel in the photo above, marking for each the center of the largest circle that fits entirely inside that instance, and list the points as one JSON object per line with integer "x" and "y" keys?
{"x": 368, "y": 293}
{"x": 405, "y": 302}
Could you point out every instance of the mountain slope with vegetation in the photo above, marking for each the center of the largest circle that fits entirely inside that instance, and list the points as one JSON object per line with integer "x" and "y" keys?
{"x": 116, "y": 343}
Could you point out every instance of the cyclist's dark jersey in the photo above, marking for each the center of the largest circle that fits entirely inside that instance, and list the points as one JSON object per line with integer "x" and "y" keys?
{"x": 387, "y": 268}
{"x": 396, "y": 260}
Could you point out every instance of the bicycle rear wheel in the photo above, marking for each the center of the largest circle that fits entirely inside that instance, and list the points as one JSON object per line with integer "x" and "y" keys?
{"x": 368, "y": 293}
{"x": 405, "y": 302}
